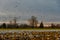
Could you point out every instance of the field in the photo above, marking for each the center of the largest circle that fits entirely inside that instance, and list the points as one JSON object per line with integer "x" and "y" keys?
{"x": 28, "y": 29}
{"x": 30, "y": 34}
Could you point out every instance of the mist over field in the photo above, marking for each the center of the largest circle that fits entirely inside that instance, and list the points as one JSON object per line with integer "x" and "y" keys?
{"x": 48, "y": 9}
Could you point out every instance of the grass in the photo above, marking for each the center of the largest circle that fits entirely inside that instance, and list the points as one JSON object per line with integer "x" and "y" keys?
{"x": 29, "y": 29}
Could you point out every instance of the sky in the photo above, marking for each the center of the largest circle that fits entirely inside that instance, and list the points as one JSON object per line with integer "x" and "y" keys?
{"x": 48, "y": 10}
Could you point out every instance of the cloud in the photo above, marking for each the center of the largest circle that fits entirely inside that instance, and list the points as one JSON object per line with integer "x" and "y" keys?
{"x": 27, "y": 8}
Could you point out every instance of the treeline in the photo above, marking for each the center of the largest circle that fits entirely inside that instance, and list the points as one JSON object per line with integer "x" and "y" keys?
{"x": 32, "y": 24}
{"x": 4, "y": 25}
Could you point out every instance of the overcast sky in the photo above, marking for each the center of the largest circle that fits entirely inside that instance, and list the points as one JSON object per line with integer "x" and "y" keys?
{"x": 48, "y": 9}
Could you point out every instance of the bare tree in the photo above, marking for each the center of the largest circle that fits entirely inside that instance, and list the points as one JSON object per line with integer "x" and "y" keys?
{"x": 33, "y": 21}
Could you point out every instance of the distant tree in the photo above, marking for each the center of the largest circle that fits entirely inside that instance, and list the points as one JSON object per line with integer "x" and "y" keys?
{"x": 33, "y": 21}
{"x": 58, "y": 26}
{"x": 9, "y": 25}
{"x": 24, "y": 26}
{"x": 15, "y": 26}
{"x": 41, "y": 25}
{"x": 52, "y": 25}
{"x": 4, "y": 25}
